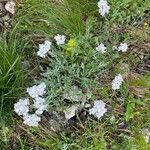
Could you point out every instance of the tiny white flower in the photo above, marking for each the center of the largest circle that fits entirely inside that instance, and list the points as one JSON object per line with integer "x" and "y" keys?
{"x": 31, "y": 120}
{"x": 44, "y": 48}
{"x": 101, "y": 48}
{"x": 98, "y": 109}
{"x": 103, "y": 7}
{"x": 22, "y": 107}
{"x": 117, "y": 82}
{"x": 123, "y": 47}
{"x": 60, "y": 39}
{"x": 37, "y": 90}
{"x": 39, "y": 104}
{"x": 38, "y": 101}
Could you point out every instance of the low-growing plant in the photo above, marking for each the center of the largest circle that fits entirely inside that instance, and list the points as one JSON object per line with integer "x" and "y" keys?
{"x": 96, "y": 57}
{"x": 80, "y": 65}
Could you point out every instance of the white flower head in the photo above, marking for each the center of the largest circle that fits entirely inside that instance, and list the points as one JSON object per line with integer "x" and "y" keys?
{"x": 37, "y": 90}
{"x": 103, "y": 7}
{"x": 98, "y": 109}
{"x": 101, "y": 48}
{"x": 60, "y": 39}
{"x": 117, "y": 82}
{"x": 22, "y": 107}
{"x": 44, "y": 48}
{"x": 31, "y": 120}
{"x": 123, "y": 47}
{"x": 39, "y": 104}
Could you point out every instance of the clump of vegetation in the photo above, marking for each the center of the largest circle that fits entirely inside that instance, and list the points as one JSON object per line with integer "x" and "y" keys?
{"x": 12, "y": 74}
{"x": 87, "y": 58}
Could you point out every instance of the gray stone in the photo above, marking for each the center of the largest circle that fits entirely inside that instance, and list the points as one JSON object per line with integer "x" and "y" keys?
{"x": 6, "y": 17}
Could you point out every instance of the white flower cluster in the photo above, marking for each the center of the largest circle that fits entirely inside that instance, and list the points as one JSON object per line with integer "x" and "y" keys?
{"x": 117, "y": 82}
{"x": 37, "y": 90}
{"x": 103, "y": 7}
{"x": 39, "y": 104}
{"x": 22, "y": 106}
{"x": 98, "y": 110}
{"x": 44, "y": 48}
{"x": 123, "y": 47}
{"x": 101, "y": 48}
{"x": 31, "y": 120}
{"x": 60, "y": 39}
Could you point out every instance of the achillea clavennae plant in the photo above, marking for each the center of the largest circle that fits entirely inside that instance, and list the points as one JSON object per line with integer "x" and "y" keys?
{"x": 36, "y": 92}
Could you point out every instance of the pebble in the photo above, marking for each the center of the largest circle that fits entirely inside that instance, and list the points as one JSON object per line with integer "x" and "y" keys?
{"x": 10, "y": 7}
{"x": 6, "y": 18}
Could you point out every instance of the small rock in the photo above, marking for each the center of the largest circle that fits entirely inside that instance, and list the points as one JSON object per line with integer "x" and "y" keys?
{"x": 122, "y": 125}
{"x": 10, "y": 7}
{"x": 74, "y": 94}
{"x": 6, "y": 17}
{"x": 70, "y": 112}
{"x": 6, "y": 24}
{"x": 87, "y": 105}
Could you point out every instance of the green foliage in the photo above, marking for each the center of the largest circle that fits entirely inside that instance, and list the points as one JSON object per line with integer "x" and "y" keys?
{"x": 130, "y": 108}
{"x": 5, "y": 133}
{"x": 12, "y": 77}
{"x": 82, "y": 67}
{"x": 124, "y": 12}
{"x": 47, "y": 17}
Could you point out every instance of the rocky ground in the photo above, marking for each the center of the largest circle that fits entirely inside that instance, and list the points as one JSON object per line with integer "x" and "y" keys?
{"x": 7, "y": 12}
